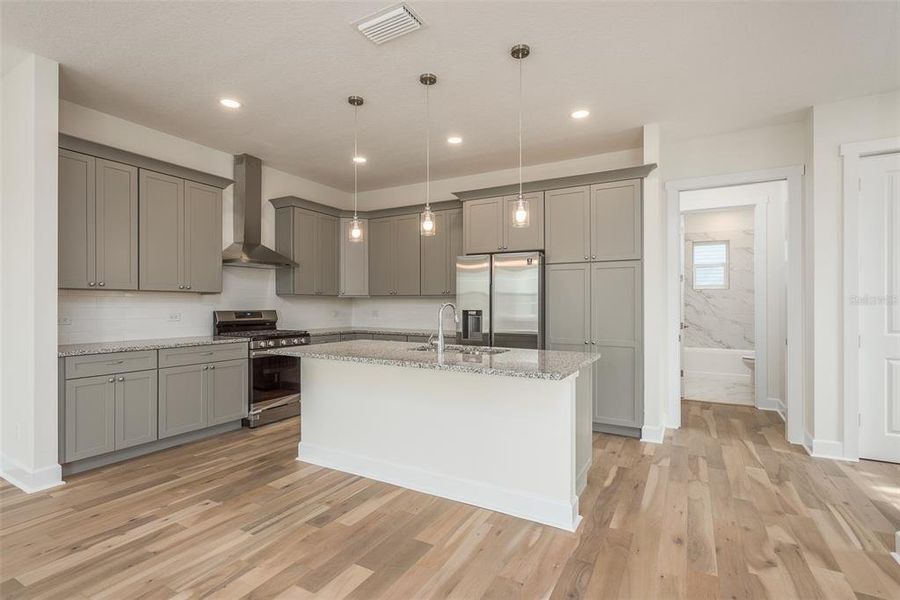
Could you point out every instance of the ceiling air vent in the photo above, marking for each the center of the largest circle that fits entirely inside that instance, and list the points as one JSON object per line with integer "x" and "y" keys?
{"x": 389, "y": 23}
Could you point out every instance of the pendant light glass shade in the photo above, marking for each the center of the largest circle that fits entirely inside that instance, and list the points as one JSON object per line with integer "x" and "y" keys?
{"x": 356, "y": 232}
{"x": 427, "y": 226}
{"x": 521, "y": 214}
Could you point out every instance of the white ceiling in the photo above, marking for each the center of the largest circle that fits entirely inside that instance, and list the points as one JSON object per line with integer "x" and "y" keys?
{"x": 697, "y": 68}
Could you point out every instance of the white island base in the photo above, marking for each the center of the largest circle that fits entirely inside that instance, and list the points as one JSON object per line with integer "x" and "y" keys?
{"x": 516, "y": 445}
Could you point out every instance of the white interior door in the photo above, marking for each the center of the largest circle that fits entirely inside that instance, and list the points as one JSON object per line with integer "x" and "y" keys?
{"x": 878, "y": 306}
{"x": 682, "y": 325}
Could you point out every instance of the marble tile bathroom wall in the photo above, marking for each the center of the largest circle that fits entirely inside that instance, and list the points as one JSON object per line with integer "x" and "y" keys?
{"x": 721, "y": 318}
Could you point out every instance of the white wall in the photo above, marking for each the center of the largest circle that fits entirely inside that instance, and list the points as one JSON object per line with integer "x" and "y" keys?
{"x": 28, "y": 380}
{"x": 854, "y": 120}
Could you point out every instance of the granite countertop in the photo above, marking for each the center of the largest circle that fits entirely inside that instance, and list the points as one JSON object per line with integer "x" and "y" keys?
{"x": 137, "y": 345}
{"x": 531, "y": 364}
{"x": 375, "y": 330}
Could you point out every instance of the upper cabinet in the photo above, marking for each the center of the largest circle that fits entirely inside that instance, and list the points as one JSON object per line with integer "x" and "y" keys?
{"x": 394, "y": 256}
{"x": 98, "y": 223}
{"x": 180, "y": 233}
{"x": 311, "y": 240}
{"x": 594, "y": 223}
{"x": 125, "y": 228}
{"x": 354, "y": 261}
{"x": 439, "y": 254}
{"x": 488, "y": 225}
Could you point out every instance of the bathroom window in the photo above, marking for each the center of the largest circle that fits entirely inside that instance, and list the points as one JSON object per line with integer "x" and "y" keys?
{"x": 710, "y": 265}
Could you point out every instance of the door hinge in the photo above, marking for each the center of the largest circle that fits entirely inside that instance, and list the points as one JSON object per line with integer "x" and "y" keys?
{"x": 859, "y": 184}
{"x": 682, "y": 373}
{"x": 859, "y": 419}
{"x": 859, "y": 340}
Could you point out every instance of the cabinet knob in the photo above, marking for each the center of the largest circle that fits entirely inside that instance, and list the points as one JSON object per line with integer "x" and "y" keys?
{"x": 212, "y": 366}
{"x": 188, "y": 287}
{"x": 593, "y": 256}
{"x": 121, "y": 379}
{"x": 585, "y": 341}
{"x": 207, "y": 366}
{"x": 102, "y": 283}
{"x": 585, "y": 258}
{"x": 499, "y": 247}
{"x": 180, "y": 287}
{"x": 593, "y": 343}
{"x": 111, "y": 379}
{"x": 91, "y": 283}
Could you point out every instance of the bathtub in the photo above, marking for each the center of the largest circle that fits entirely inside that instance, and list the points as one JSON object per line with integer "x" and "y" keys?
{"x": 718, "y": 375}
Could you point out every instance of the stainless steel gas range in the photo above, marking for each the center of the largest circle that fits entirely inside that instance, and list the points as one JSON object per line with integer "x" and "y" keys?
{"x": 274, "y": 380}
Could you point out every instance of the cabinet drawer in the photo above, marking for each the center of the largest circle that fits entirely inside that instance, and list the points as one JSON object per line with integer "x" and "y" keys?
{"x": 108, "y": 364}
{"x": 176, "y": 357}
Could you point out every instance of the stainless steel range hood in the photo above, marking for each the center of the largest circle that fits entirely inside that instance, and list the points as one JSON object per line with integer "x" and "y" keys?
{"x": 247, "y": 249}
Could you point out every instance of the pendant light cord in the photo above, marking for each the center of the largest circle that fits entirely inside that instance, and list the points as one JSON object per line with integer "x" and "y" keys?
{"x": 520, "y": 128}
{"x": 355, "y": 156}
{"x": 427, "y": 150}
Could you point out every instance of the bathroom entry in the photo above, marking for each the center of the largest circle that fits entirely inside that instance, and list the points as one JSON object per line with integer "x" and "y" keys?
{"x": 718, "y": 331}
{"x": 733, "y": 303}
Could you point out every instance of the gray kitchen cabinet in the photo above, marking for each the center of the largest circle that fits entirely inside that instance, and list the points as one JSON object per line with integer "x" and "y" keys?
{"x": 483, "y": 225}
{"x": 568, "y": 225}
{"x": 98, "y": 223}
{"x": 567, "y": 306}
{"x": 488, "y": 225}
{"x": 524, "y": 238}
{"x": 90, "y": 422}
{"x": 616, "y": 333}
{"x": 439, "y": 254}
{"x": 136, "y": 408}
{"x": 381, "y": 244}
{"x": 311, "y": 240}
{"x": 354, "y": 261}
{"x": 227, "y": 391}
{"x": 616, "y": 220}
{"x": 162, "y": 227}
{"x": 394, "y": 256}
{"x": 203, "y": 238}
{"x": 183, "y": 403}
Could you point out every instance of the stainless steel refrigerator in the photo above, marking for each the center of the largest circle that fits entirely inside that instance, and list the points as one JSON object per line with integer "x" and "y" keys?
{"x": 501, "y": 299}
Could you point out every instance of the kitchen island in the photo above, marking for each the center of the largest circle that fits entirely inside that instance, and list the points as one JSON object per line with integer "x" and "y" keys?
{"x": 507, "y": 431}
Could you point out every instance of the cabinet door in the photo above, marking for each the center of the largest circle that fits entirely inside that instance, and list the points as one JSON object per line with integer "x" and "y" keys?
{"x": 568, "y": 307}
{"x": 524, "y": 238}
{"x": 616, "y": 220}
{"x": 407, "y": 256}
{"x": 182, "y": 400}
{"x": 327, "y": 255}
{"x": 568, "y": 225}
{"x": 435, "y": 257}
{"x": 227, "y": 396}
{"x": 304, "y": 246}
{"x": 381, "y": 251}
{"x": 354, "y": 261}
{"x": 161, "y": 232}
{"x": 90, "y": 417}
{"x": 136, "y": 408}
{"x": 203, "y": 228}
{"x": 77, "y": 241}
{"x": 483, "y": 225}
{"x": 455, "y": 243}
{"x": 616, "y": 334}
{"x": 117, "y": 225}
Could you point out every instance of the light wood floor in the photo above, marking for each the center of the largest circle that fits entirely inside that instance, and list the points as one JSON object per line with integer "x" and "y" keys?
{"x": 725, "y": 508}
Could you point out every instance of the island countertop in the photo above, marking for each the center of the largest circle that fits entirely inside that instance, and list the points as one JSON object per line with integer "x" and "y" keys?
{"x": 531, "y": 364}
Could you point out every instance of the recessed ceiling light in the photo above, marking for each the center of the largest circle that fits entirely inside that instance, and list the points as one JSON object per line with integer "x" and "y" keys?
{"x": 230, "y": 103}
{"x": 580, "y": 114}
{"x": 454, "y": 139}
{"x": 359, "y": 159}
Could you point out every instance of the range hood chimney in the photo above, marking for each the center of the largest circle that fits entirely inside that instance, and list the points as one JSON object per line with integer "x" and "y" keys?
{"x": 247, "y": 249}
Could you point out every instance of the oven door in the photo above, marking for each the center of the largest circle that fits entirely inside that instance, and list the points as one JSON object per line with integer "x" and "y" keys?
{"x": 274, "y": 387}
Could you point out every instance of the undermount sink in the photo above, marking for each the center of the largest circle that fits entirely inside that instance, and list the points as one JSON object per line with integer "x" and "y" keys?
{"x": 472, "y": 350}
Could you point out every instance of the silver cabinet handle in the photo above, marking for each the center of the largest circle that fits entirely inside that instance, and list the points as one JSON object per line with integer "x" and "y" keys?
{"x": 212, "y": 366}
{"x": 180, "y": 287}
{"x": 585, "y": 258}
{"x": 121, "y": 378}
{"x": 102, "y": 283}
{"x": 593, "y": 256}
{"x": 205, "y": 367}
{"x": 91, "y": 283}
{"x": 585, "y": 341}
{"x": 593, "y": 343}
{"x": 111, "y": 379}
{"x": 188, "y": 287}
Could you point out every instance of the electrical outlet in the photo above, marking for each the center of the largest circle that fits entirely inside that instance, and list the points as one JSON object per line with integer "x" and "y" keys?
{"x": 174, "y": 317}
{"x": 64, "y": 321}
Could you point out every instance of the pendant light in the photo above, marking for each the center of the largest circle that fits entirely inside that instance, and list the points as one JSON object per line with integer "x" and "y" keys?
{"x": 426, "y": 222}
{"x": 521, "y": 214}
{"x": 355, "y": 233}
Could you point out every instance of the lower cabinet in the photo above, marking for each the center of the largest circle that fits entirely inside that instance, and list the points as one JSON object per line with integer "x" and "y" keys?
{"x": 196, "y": 396}
{"x": 597, "y": 306}
{"x": 136, "y": 406}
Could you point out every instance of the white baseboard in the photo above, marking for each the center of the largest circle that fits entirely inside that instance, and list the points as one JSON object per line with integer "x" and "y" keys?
{"x": 581, "y": 479}
{"x": 832, "y": 449}
{"x": 775, "y": 404}
{"x": 653, "y": 434}
{"x": 27, "y": 480}
{"x": 548, "y": 511}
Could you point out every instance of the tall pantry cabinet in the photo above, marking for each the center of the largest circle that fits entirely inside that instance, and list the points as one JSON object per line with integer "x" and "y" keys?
{"x": 594, "y": 292}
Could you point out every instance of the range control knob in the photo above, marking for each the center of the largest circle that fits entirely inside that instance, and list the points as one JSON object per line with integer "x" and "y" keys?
{"x": 284, "y": 342}
{"x": 295, "y": 341}
{"x": 270, "y": 343}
